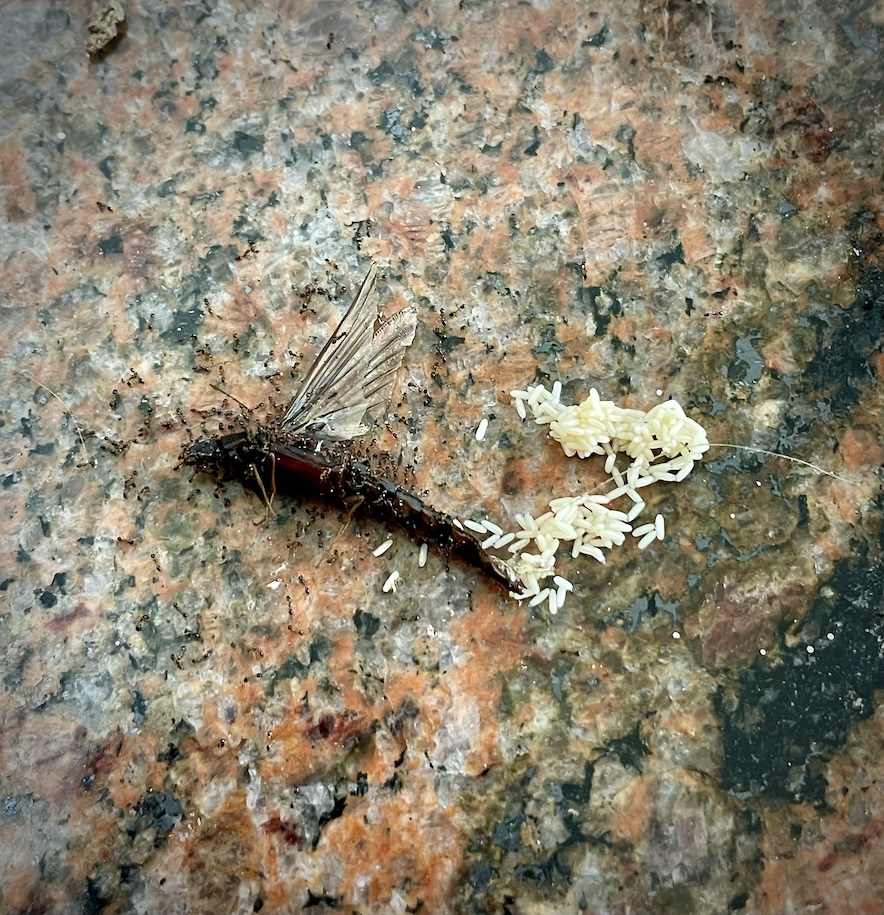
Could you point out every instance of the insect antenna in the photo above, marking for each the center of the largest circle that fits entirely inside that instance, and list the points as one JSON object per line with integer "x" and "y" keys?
{"x": 232, "y": 397}
{"x": 786, "y": 457}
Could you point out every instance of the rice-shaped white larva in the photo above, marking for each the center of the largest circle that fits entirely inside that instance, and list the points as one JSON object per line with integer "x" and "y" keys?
{"x": 684, "y": 471}
{"x": 504, "y": 539}
{"x": 567, "y": 515}
{"x": 644, "y": 530}
{"x": 383, "y": 547}
{"x": 520, "y": 408}
{"x": 532, "y": 586}
{"x": 476, "y": 526}
{"x": 422, "y": 555}
{"x": 539, "y": 598}
{"x": 664, "y": 476}
{"x": 483, "y": 428}
{"x": 592, "y": 551}
{"x": 635, "y": 511}
{"x": 659, "y": 528}
{"x": 648, "y": 539}
{"x": 390, "y": 583}
{"x": 559, "y": 529}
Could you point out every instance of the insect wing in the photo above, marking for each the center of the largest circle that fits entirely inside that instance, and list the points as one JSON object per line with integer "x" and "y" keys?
{"x": 354, "y": 372}
{"x": 348, "y": 338}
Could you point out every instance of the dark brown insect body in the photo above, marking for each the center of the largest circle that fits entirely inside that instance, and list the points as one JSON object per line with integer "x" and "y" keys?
{"x": 296, "y": 468}
{"x": 301, "y": 455}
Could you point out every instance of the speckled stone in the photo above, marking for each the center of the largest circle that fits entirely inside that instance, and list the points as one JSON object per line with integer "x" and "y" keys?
{"x": 207, "y": 707}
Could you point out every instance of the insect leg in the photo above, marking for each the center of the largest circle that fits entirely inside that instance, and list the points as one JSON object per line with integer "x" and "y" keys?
{"x": 267, "y": 500}
{"x": 353, "y": 505}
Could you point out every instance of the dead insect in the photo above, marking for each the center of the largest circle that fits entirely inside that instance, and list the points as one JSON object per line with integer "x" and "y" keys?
{"x": 303, "y": 452}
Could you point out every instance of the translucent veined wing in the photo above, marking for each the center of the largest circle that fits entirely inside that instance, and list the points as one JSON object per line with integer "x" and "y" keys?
{"x": 354, "y": 372}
